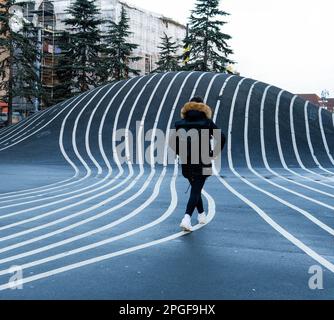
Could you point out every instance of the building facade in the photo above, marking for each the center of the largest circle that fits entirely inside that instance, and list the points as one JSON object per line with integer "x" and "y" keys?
{"x": 147, "y": 28}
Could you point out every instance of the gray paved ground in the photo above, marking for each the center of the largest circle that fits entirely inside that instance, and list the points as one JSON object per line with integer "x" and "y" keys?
{"x": 82, "y": 229}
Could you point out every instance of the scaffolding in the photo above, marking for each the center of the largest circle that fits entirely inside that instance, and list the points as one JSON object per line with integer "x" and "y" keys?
{"x": 146, "y": 30}
{"x": 49, "y": 49}
{"x": 41, "y": 14}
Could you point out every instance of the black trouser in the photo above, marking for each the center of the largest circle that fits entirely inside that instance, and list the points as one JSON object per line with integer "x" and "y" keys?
{"x": 195, "y": 200}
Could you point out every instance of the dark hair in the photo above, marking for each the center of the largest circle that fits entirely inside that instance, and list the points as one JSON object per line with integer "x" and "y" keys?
{"x": 197, "y": 99}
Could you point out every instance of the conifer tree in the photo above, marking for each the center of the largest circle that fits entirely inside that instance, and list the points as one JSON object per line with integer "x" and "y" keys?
{"x": 63, "y": 69}
{"x": 168, "y": 59}
{"x": 19, "y": 75}
{"x": 209, "y": 49}
{"x": 83, "y": 49}
{"x": 119, "y": 51}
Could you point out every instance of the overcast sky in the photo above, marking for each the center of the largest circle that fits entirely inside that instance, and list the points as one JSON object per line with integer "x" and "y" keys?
{"x": 287, "y": 43}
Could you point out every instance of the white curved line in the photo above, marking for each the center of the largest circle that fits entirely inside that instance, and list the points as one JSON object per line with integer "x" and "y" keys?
{"x": 73, "y": 197}
{"x": 26, "y": 191}
{"x": 25, "y": 124}
{"x": 63, "y": 188}
{"x": 42, "y": 127}
{"x": 309, "y": 141}
{"x": 311, "y": 253}
{"x": 39, "y": 189}
{"x": 299, "y": 244}
{"x": 300, "y": 162}
{"x": 130, "y": 199}
{"x": 88, "y": 209}
{"x": 250, "y": 167}
{"x": 264, "y": 154}
{"x": 278, "y": 139}
{"x": 211, "y": 214}
{"x": 70, "y": 198}
{"x": 324, "y": 139}
{"x": 167, "y": 213}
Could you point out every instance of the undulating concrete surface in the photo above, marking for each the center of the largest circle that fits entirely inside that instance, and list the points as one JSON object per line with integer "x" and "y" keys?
{"x": 80, "y": 224}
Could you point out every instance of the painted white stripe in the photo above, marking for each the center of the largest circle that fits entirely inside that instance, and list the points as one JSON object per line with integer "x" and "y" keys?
{"x": 309, "y": 141}
{"x": 132, "y": 249}
{"x": 211, "y": 214}
{"x": 300, "y": 162}
{"x": 73, "y": 197}
{"x": 89, "y": 154}
{"x": 259, "y": 211}
{"x": 42, "y": 188}
{"x": 149, "y": 201}
{"x": 45, "y": 125}
{"x": 26, "y": 191}
{"x": 26, "y": 121}
{"x": 264, "y": 153}
{"x": 217, "y": 108}
{"x": 76, "y": 169}
{"x": 77, "y": 98}
{"x": 90, "y": 208}
{"x": 80, "y": 195}
{"x": 324, "y": 139}
{"x": 278, "y": 139}
{"x": 42, "y": 197}
{"x": 229, "y": 144}
{"x": 22, "y": 126}
{"x": 311, "y": 253}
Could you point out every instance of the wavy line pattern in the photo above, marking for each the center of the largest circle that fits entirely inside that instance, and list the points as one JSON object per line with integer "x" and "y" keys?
{"x": 279, "y": 155}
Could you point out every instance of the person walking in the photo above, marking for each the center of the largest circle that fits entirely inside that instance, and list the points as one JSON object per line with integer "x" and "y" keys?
{"x": 196, "y": 153}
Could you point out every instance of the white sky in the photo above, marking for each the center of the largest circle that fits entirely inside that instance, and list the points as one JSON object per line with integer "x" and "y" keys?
{"x": 287, "y": 43}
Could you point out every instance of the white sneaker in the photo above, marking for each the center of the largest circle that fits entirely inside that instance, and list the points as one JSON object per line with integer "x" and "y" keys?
{"x": 201, "y": 218}
{"x": 186, "y": 223}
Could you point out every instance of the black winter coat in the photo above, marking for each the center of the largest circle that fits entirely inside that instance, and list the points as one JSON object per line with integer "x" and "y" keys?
{"x": 197, "y": 116}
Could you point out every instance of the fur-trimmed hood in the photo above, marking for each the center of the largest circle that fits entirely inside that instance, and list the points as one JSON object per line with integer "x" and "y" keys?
{"x": 202, "y": 107}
